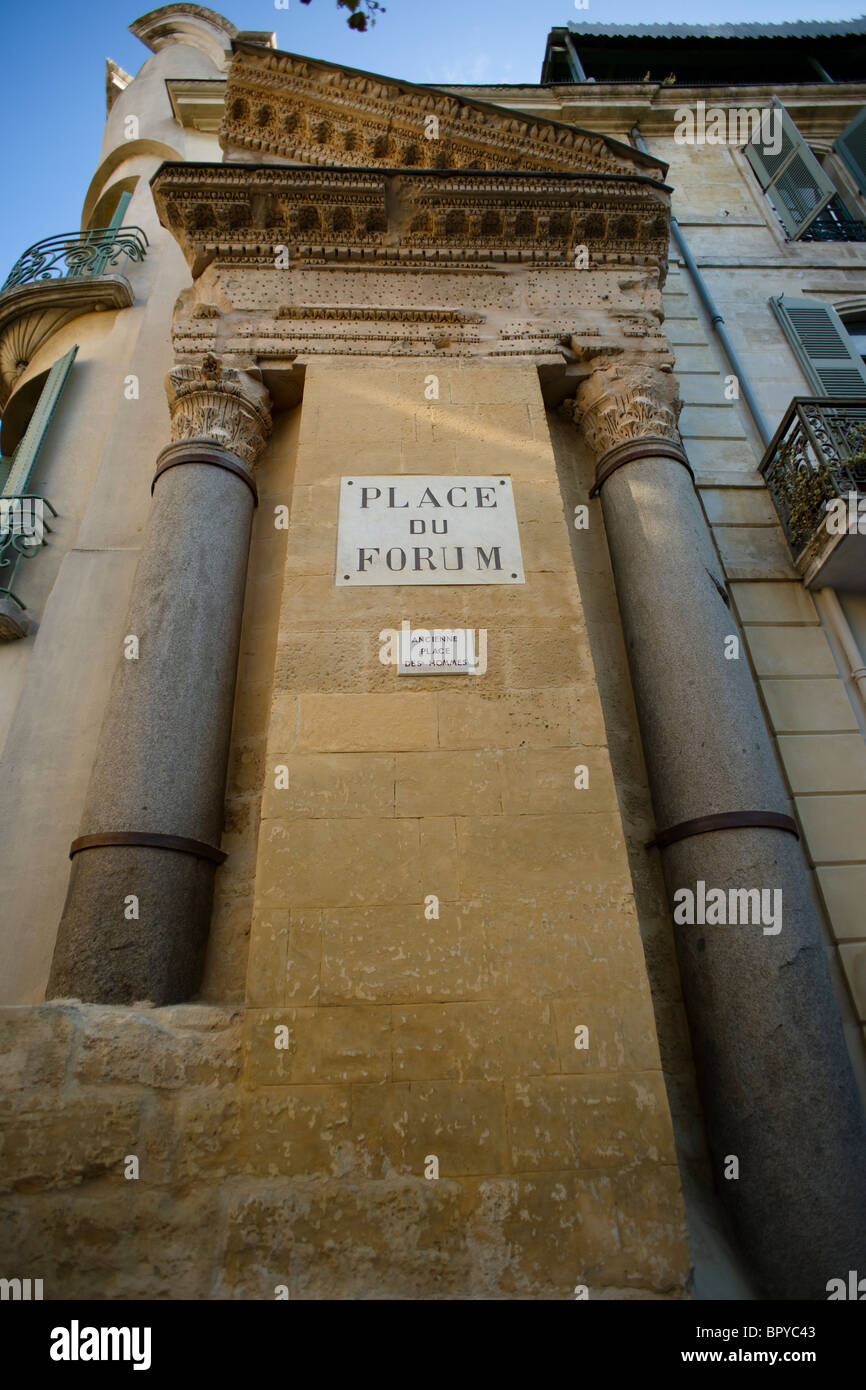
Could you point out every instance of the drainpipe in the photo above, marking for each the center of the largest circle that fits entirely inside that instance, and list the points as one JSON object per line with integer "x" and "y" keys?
{"x": 717, "y": 323}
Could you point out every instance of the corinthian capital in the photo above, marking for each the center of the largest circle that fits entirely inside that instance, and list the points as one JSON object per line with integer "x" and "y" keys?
{"x": 623, "y": 402}
{"x": 223, "y": 405}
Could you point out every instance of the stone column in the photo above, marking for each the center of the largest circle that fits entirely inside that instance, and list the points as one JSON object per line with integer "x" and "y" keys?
{"x": 778, "y": 1088}
{"x": 150, "y": 832}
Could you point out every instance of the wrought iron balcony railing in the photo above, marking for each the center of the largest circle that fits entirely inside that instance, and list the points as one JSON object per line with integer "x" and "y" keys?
{"x": 22, "y": 528}
{"x": 835, "y": 223}
{"x": 73, "y": 255}
{"x": 817, "y": 453}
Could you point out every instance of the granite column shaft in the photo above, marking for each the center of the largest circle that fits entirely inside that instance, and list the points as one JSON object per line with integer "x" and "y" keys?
{"x": 138, "y": 906}
{"x": 778, "y": 1089}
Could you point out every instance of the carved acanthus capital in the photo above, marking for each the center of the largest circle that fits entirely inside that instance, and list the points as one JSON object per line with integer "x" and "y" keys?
{"x": 624, "y": 401}
{"x": 227, "y": 406}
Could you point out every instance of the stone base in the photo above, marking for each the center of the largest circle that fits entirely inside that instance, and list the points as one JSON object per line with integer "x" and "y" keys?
{"x": 103, "y": 956}
{"x": 240, "y": 1190}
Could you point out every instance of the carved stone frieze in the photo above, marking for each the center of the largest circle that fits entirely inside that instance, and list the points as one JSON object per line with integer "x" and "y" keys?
{"x": 623, "y": 401}
{"x": 224, "y": 405}
{"x": 242, "y": 213}
{"x": 302, "y": 109}
{"x": 316, "y": 328}
{"x": 301, "y": 259}
{"x": 548, "y": 312}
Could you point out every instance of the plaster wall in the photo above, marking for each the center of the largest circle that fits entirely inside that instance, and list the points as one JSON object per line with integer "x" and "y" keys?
{"x": 95, "y": 467}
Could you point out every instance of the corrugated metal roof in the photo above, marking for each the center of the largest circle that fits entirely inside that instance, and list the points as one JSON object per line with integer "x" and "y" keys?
{"x": 799, "y": 29}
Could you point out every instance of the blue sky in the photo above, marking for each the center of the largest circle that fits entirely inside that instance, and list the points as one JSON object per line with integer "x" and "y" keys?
{"x": 52, "y": 63}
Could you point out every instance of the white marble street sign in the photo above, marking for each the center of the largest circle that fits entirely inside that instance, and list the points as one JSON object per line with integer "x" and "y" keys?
{"x": 437, "y": 651}
{"x": 410, "y": 528}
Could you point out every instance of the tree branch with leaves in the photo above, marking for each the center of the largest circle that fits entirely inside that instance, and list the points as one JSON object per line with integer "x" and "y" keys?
{"x": 361, "y": 12}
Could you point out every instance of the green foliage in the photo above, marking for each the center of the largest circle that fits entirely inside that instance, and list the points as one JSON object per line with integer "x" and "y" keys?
{"x": 856, "y": 442}
{"x": 360, "y": 12}
{"x": 806, "y": 491}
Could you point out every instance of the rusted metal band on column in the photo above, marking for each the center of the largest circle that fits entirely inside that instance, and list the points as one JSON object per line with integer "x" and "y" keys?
{"x": 142, "y": 839}
{"x": 182, "y": 453}
{"x": 726, "y": 820}
{"x": 631, "y": 452}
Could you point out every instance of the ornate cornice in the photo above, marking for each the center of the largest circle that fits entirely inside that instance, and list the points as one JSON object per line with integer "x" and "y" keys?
{"x": 223, "y": 405}
{"x": 116, "y": 81}
{"x": 194, "y": 25}
{"x": 281, "y": 105}
{"x": 241, "y": 213}
{"x": 624, "y": 401}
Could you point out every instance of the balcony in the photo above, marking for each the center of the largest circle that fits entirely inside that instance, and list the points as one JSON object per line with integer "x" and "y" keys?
{"x": 57, "y": 280}
{"x": 835, "y": 223}
{"x": 815, "y": 471}
{"x": 22, "y": 534}
{"x": 76, "y": 254}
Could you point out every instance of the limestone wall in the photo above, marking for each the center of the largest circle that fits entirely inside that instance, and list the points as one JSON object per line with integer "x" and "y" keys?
{"x": 454, "y": 1036}
{"x": 240, "y": 1190}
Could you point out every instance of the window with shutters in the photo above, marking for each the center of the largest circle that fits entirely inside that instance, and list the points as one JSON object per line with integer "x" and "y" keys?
{"x": 851, "y": 147}
{"x": 24, "y": 513}
{"x": 25, "y": 424}
{"x": 817, "y": 457}
{"x": 856, "y": 330}
{"x": 835, "y": 223}
{"x": 829, "y": 356}
{"x": 801, "y": 192}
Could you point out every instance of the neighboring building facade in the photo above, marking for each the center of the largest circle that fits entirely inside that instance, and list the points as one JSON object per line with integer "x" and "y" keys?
{"x": 366, "y": 983}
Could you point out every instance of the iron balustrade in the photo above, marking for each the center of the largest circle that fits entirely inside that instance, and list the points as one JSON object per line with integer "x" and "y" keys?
{"x": 835, "y": 223}
{"x": 73, "y": 255}
{"x": 19, "y": 539}
{"x": 817, "y": 453}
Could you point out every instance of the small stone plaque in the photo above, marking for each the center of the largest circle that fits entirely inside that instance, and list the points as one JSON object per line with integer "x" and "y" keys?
{"x": 437, "y": 651}
{"x": 410, "y": 528}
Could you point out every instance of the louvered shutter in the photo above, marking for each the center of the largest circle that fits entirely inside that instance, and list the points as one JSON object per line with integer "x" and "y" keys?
{"x": 120, "y": 211}
{"x": 6, "y": 466}
{"x": 851, "y": 146}
{"x": 827, "y": 355}
{"x": 25, "y": 455}
{"x": 792, "y": 179}
{"x": 104, "y": 244}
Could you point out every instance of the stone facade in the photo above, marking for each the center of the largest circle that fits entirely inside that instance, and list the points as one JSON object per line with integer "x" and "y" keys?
{"x": 423, "y": 1033}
